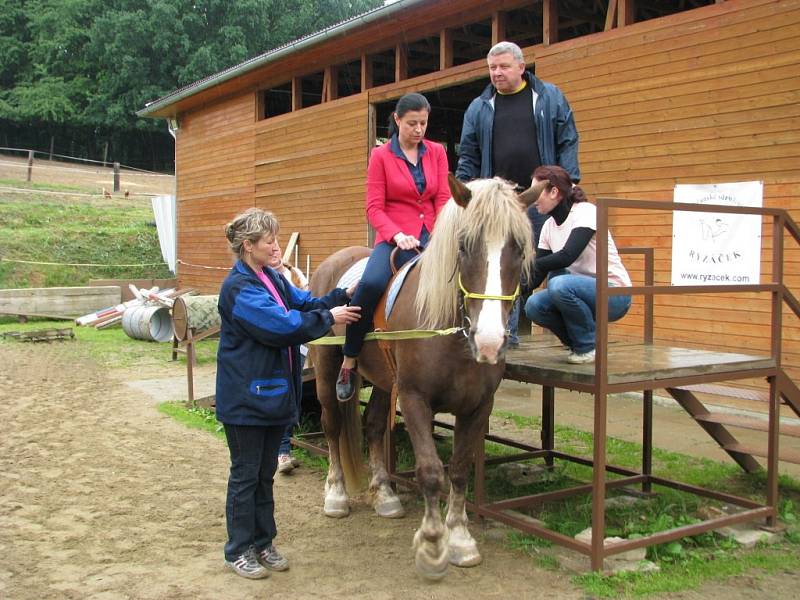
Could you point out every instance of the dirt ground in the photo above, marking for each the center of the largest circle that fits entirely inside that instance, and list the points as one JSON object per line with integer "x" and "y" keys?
{"x": 103, "y": 497}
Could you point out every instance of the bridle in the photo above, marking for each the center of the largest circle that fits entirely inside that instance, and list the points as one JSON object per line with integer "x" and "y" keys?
{"x": 466, "y": 323}
{"x": 474, "y": 296}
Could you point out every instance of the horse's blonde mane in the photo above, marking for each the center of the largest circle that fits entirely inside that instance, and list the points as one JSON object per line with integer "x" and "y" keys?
{"x": 493, "y": 213}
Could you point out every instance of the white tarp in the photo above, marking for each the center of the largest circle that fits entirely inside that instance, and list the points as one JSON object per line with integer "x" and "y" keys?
{"x": 164, "y": 211}
{"x": 717, "y": 248}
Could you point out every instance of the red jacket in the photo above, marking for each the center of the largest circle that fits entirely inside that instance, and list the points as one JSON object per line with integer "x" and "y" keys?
{"x": 393, "y": 203}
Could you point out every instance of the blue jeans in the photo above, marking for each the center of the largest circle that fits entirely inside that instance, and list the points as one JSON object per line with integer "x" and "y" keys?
{"x": 567, "y": 308}
{"x": 373, "y": 284}
{"x": 250, "y": 507}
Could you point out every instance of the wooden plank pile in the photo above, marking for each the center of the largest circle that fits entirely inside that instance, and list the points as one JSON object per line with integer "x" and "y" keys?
{"x": 41, "y": 335}
{"x": 108, "y": 317}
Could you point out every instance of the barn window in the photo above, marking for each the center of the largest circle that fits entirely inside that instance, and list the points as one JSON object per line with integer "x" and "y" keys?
{"x": 349, "y": 79}
{"x": 423, "y": 56}
{"x": 472, "y": 42}
{"x": 276, "y": 101}
{"x": 382, "y": 68}
{"x": 661, "y": 8}
{"x": 311, "y": 89}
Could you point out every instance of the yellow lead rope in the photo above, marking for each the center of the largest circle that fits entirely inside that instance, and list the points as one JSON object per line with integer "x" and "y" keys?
{"x": 407, "y": 334}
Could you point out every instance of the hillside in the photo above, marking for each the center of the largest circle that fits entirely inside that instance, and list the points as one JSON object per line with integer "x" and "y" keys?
{"x": 71, "y": 223}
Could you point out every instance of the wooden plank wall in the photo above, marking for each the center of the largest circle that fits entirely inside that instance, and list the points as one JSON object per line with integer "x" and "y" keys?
{"x": 214, "y": 164}
{"x": 705, "y": 96}
{"x": 310, "y": 170}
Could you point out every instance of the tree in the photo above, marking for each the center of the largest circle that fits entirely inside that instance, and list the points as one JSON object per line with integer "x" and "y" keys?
{"x": 93, "y": 64}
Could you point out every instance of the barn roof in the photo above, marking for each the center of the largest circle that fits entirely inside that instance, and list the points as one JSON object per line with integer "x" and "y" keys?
{"x": 161, "y": 107}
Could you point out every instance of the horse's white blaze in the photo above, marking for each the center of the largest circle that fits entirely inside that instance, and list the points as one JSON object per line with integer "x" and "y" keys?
{"x": 490, "y": 331}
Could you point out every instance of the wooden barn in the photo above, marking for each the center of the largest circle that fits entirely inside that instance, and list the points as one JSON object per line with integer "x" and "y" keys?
{"x": 663, "y": 91}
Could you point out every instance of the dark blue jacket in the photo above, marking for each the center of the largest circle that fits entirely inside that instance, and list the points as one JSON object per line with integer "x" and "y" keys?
{"x": 254, "y": 383}
{"x": 555, "y": 130}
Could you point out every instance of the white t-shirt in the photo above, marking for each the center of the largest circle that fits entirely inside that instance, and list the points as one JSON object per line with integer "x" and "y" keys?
{"x": 583, "y": 214}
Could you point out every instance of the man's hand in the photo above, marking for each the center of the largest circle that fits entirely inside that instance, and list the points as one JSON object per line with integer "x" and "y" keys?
{"x": 344, "y": 315}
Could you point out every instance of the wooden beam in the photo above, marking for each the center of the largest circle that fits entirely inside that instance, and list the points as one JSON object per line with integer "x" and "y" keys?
{"x": 330, "y": 83}
{"x": 366, "y": 72}
{"x": 549, "y": 22}
{"x": 446, "y": 49}
{"x": 297, "y": 93}
{"x": 625, "y": 12}
{"x": 498, "y": 27}
{"x": 400, "y": 62}
{"x": 611, "y": 15}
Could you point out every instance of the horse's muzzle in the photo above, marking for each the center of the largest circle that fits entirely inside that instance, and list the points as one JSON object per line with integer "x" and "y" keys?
{"x": 487, "y": 348}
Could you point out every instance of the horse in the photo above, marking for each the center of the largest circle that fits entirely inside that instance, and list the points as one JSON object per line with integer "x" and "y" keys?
{"x": 467, "y": 278}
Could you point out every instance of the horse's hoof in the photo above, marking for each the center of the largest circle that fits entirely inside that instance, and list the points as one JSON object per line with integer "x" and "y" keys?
{"x": 464, "y": 556}
{"x": 430, "y": 572}
{"x": 336, "y": 508}
{"x": 391, "y": 509}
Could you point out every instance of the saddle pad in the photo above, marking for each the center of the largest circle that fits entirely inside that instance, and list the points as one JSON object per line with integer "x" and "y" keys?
{"x": 397, "y": 283}
{"x": 353, "y": 274}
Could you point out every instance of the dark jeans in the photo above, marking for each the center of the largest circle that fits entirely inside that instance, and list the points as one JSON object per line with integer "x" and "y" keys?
{"x": 250, "y": 507}
{"x": 373, "y": 283}
{"x": 286, "y": 438}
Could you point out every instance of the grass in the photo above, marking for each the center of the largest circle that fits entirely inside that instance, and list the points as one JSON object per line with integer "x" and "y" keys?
{"x": 50, "y": 187}
{"x": 39, "y": 228}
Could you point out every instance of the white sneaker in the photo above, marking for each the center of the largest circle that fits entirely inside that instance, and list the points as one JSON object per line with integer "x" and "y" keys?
{"x": 285, "y": 464}
{"x": 578, "y": 359}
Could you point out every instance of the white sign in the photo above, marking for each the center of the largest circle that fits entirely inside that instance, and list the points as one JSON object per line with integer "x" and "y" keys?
{"x": 717, "y": 248}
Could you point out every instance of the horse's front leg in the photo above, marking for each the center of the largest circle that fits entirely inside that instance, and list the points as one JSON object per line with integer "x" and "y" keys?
{"x": 336, "y": 503}
{"x": 385, "y": 501}
{"x": 469, "y": 431}
{"x": 430, "y": 540}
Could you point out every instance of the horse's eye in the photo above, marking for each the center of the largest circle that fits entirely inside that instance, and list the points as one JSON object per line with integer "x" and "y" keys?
{"x": 462, "y": 249}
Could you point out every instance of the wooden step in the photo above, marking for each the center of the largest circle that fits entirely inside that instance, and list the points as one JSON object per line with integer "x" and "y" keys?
{"x": 747, "y": 423}
{"x": 789, "y": 456}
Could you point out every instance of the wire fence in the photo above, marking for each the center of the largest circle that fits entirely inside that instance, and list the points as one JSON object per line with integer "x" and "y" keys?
{"x": 83, "y": 176}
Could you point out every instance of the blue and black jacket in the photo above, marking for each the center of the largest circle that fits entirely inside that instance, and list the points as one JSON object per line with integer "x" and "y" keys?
{"x": 255, "y": 385}
{"x": 555, "y": 129}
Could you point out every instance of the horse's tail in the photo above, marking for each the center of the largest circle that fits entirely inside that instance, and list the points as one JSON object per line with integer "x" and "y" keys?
{"x": 351, "y": 443}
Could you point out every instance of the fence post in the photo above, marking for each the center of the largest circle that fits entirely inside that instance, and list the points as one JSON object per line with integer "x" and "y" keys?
{"x": 52, "y": 142}
{"x": 105, "y": 154}
{"x": 116, "y": 176}
{"x": 30, "y": 164}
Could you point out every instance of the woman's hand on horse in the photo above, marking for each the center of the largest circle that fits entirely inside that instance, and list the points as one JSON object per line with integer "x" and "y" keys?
{"x": 344, "y": 315}
{"x": 405, "y": 242}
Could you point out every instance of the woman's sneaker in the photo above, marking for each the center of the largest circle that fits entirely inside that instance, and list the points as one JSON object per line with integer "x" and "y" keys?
{"x": 345, "y": 384}
{"x": 248, "y": 565}
{"x": 270, "y": 558}
{"x": 578, "y": 359}
{"x": 285, "y": 463}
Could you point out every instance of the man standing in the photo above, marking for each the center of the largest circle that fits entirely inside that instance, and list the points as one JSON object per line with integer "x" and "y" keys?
{"x": 518, "y": 123}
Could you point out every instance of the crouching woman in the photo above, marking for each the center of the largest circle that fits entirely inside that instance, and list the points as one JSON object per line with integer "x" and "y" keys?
{"x": 264, "y": 322}
{"x": 566, "y": 257}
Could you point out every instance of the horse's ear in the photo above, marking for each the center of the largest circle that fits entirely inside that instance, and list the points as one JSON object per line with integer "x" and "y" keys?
{"x": 461, "y": 193}
{"x": 532, "y": 194}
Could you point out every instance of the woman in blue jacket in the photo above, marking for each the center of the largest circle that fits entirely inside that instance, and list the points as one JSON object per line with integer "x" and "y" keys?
{"x": 264, "y": 321}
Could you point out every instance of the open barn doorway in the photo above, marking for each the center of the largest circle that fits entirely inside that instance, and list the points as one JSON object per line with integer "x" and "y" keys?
{"x": 447, "y": 114}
